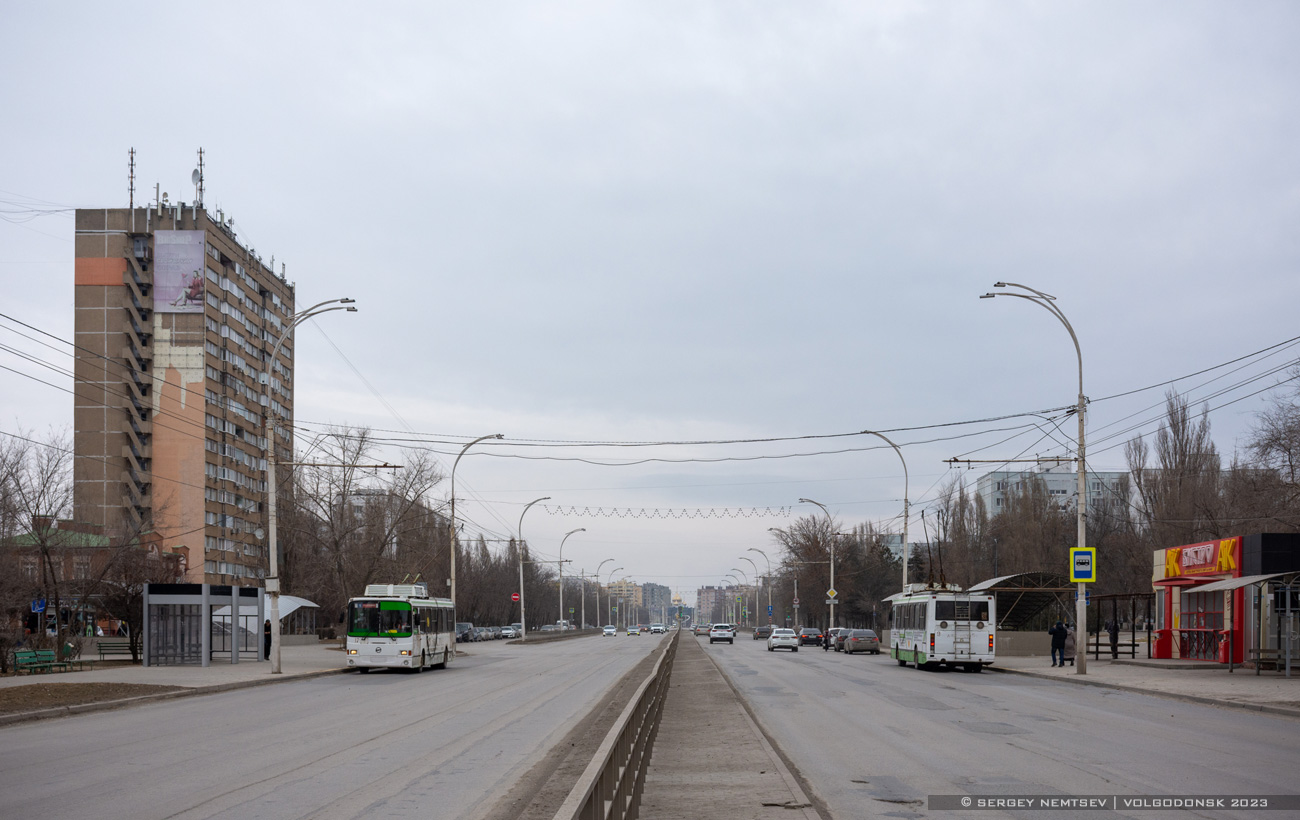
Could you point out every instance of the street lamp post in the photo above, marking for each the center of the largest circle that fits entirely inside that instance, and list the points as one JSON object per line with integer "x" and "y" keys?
{"x": 609, "y": 599}
{"x": 1049, "y": 303}
{"x": 769, "y": 581}
{"x": 906, "y": 508}
{"x": 273, "y": 576}
{"x": 523, "y": 622}
{"x": 755, "y": 595}
{"x": 742, "y": 593}
{"x": 596, "y": 574}
{"x": 830, "y": 522}
{"x": 455, "y": 537}
{"x": 562, "y": 540}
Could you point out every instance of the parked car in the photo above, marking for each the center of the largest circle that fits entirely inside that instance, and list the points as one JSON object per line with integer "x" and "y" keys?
{"x": 836, "y": 635}
{"x": 763, "y": 632}
{"x": 464, "y": 632}
{"x": 810, "y": 636}
{"x": 609, "y": 629}
{"x": 722, "y": 632}
{"x": 509, "y": 632}
{"x": 862, "y": 640}
{"x": 495, "y": 633}
{"x": 550, "y": 628}
{"x": 783, "y": 639}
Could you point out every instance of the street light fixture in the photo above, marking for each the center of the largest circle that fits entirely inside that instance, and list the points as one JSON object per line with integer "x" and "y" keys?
{"x": 1048, "y": 302}
{"x": 757, "y": 576}
{"x": 273, "y": 576}
{"x": 609, "y": 600}
{"x": 523, "y": 622}
{"x": 742, "y": 590}
{"x": 599, "y": 567}
{"x": 769, "y": 580}
{"x": 906, "y": 507}
{"x": 831, "y": 535}
{"x": 562, "y": 540}
{"x": 455, "y": 536}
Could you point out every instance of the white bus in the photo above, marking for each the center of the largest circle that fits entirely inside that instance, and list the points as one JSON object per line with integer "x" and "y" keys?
{"x": 398, "y": 626}
{"x": 932, "y": 626}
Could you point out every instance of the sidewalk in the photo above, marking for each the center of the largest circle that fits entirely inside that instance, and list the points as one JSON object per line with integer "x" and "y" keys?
{"x": 709, "y": 758}
{"x": 1201, "y": 682}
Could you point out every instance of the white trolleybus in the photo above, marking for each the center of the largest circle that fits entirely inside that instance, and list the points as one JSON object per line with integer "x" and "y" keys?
{"x": 398, "y": 626}
{"x": 942, "y": 625}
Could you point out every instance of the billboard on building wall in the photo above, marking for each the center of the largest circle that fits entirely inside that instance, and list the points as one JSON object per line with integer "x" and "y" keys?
{"x": 178, "y": 271}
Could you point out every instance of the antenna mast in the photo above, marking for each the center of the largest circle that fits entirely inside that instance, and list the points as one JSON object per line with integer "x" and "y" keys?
{"x": 199, "y": 191}
{"x": 131, "y": 180}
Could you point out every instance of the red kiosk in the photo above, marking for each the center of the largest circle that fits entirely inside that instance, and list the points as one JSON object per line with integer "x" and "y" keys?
{"x": 1199, "y": 625}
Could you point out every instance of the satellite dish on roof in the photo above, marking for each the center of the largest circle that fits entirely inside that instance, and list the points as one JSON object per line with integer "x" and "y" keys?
{"x": 194, "y": 176}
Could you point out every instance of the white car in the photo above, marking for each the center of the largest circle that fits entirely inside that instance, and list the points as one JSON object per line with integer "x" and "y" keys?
{"x": 609, "y": 629}
{"x": 722, "y": 632}
{"x": 783, "y": 639}
{"x": 509, "y": 632}
{"x": 657, "y": 629}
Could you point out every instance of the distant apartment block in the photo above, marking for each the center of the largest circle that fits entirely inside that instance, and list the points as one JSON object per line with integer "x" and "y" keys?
{"x": 1105, "y": 489}
{"x": 175, "y": 322}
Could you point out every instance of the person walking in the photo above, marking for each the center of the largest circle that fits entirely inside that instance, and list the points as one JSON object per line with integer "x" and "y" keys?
{"x": 1069, "y": 644}
{"x": 1059, "y": 634}
{"x": 826, "y": 644}
{"x": 266, "y": 640}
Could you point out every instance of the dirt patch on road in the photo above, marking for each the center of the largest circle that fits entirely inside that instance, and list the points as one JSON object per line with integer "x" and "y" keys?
{"x": 34, "y": 697}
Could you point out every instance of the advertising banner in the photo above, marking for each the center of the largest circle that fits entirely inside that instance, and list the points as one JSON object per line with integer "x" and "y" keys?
{"x": 178, "y": 271}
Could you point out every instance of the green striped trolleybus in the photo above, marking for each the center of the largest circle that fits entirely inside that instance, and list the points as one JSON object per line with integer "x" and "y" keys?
{"x": 398, "y": 626}
{"x": 934, "y": 626}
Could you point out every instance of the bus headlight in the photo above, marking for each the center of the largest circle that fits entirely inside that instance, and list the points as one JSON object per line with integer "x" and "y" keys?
{"x": 405, "y": 652}
{"x": 352, "y": 651}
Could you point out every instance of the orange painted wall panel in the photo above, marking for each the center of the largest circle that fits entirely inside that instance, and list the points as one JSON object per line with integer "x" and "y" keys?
{"x": 99, "y": 271}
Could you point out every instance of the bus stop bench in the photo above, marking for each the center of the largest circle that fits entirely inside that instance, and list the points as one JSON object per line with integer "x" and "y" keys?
{"x": 1265, "y": 658}
{"x": 37, "y": 660}
{"x": 114, "y": 648}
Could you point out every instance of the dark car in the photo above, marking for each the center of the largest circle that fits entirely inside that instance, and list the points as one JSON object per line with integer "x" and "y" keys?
{"x": 763, "y": 632}
{"x": 838, "y": 634}
{"x": 810, "y": 636}
{"x": 464, "y": 632}
{"x": 861, "y": 640}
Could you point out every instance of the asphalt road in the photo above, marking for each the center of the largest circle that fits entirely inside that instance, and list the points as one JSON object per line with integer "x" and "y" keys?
{"x": 441, "y": 744}
{"x": 872, "y": 738}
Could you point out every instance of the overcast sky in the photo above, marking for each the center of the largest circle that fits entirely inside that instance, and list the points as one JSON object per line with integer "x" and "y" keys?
{"x": 694, "y": 221}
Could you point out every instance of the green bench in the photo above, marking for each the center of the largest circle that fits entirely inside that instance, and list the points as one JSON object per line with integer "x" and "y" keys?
{"x": 114, "y": 648}
{"x": 38, "y": 660}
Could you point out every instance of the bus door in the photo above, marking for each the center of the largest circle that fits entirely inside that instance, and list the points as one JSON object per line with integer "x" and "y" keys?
{"x": 961, "y": 636}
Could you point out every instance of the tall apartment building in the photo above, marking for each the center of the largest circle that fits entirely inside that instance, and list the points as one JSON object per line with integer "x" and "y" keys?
{"x": 1105, "y": 489}
{"x": 175, "y": 322}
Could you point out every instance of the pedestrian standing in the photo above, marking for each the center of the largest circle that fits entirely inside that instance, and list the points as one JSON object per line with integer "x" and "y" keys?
{"x": 1112, "y": 629}
{"x": 266, "y": 640}
{"x": 1059, "y": 634}
{"x": 826, "y": 644}
{"x": 1069, "y": 644}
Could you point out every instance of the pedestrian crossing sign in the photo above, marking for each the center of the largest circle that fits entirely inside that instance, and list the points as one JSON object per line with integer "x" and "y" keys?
{"x": 1083, "y": 565}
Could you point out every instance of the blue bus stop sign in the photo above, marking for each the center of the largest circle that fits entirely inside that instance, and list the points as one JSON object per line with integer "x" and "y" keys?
{"x": 38, "y": 605}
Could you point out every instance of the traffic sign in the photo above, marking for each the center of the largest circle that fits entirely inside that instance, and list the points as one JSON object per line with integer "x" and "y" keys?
{"x": 796, "y": 602}
{"x": 830, "y": 601}
{"x": 1083, "y": 565}
{"x": 831, "y": 593}
{"x": 38, "y": 605}
{"x": 514, "y": 596}
{"x": 769, "y": 610}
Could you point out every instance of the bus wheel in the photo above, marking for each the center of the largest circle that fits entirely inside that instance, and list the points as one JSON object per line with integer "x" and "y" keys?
{"x": 363, "y": 669}
{"x": 975, "y": 667}
{"x": 898, "y": 656}
{"x": 420, "y": 668}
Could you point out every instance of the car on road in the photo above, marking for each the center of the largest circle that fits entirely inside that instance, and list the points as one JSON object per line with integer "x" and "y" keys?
{"x": 763, "y": 632}
{"x": 657, "y": 629}
{"x": 509, "y": 632}
{"x": 702, "y": 629}
{"x": 633, "y": 629}
{"x": 862, "y": 640}
{"x": 836, "y": 636}
{"x": 783, "y": 639}
{"x": 722, "y": 632}
{"x": 550, "y": 628}
{"x": 609, "y": 629}
{"x": 810, "y": 636}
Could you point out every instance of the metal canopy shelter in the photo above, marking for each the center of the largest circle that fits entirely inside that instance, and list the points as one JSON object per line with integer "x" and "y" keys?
{"x": 1026, "y": 595}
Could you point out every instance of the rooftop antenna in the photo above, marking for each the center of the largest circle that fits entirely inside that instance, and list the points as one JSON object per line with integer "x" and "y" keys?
{"x": 197, "y": 177}
{"x": 131, "y": 180}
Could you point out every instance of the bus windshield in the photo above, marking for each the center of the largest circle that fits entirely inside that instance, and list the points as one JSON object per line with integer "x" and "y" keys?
{"x": 379, "y": 619}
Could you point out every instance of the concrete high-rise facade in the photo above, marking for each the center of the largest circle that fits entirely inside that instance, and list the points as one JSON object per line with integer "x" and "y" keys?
{"x": 175, "y": 324}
